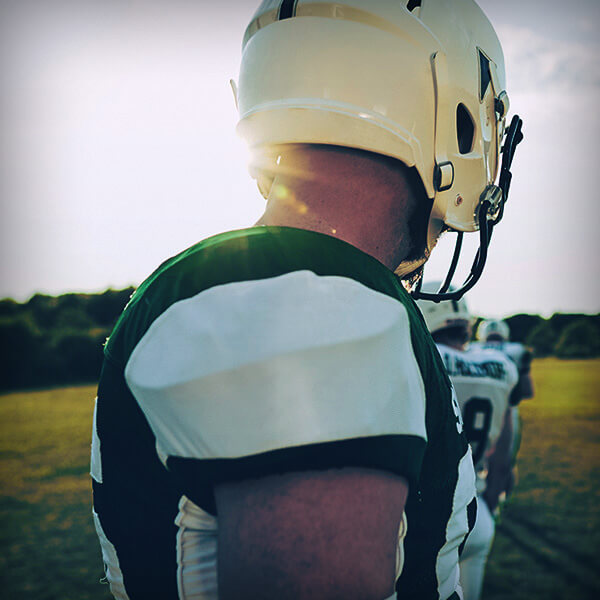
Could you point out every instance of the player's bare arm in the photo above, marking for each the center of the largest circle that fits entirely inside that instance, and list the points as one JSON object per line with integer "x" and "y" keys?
{"x": 316, "y": 534}
{"x": 524, "y": 389}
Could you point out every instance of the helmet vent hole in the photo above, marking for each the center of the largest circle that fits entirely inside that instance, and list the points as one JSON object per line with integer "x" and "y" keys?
{"x": 465, "y": 129}
{"x": 287, "y": 9}
{"x": 412, "y": 4}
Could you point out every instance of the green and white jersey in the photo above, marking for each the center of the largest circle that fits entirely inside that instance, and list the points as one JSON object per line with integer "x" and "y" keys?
{"x": 518, "y": 353}
{"x": 264, "y": 351}
{"x": 483, "y": 379}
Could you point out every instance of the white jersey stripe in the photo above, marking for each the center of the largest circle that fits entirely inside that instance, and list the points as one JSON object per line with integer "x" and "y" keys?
{"x": 324, "y": 359}
{"x": 112, "y": 568}
{"x": 196, "y": 553}
{"x": 96, "y": 457}
{"x": 447, "y": 570}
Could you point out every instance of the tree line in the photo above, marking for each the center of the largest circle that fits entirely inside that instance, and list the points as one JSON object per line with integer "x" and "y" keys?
{"x": 58, "y": 340}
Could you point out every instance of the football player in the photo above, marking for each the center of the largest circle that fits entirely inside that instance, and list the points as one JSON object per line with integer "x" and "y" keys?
{"x": 273, "y": 419}
{"x": 502, "y": 471}
{"x": 494, "y": 333}
{"x": 484, "y": 380}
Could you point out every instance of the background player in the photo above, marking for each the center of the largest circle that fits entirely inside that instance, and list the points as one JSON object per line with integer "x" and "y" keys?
{"x": 484, "y": 380}
{"x": 502, "y": 469}
{"x": 282, "y": 374}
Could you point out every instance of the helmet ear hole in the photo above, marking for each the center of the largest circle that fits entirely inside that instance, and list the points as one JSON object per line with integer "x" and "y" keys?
{"x": 465, "y": 129}
{"x": 412, "y": 4}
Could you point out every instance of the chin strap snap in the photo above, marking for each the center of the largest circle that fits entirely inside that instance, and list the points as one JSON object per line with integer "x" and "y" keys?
{"x": 489, "y": 213}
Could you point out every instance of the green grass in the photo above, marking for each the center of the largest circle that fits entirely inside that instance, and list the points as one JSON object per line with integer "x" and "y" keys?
{"x": 49, "y": 547}
{"x": 549, "y": 532}
{"x": 546, "y": 546}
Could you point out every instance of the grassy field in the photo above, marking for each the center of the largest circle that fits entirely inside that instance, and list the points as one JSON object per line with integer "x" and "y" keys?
{"x": 547, "y": 541}
{"x": 546, "y": 545}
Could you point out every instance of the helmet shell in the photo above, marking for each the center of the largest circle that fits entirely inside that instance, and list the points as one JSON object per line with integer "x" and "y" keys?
{"x": 493, "y": 327}
{"x": 444, "y": 314}
{"x": 419, "y": 85}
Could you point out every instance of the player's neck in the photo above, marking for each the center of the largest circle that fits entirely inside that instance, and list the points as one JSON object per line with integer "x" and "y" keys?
{"x": 454, "y": 345}
{"x": 447, "y": 338}
{"x": 349, "y": 197}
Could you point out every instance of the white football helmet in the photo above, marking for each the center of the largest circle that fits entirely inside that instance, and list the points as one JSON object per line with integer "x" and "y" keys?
{"x": 444, "y": 314}
{"x": 493, "y": 327}
{"x": 419, "y": 80}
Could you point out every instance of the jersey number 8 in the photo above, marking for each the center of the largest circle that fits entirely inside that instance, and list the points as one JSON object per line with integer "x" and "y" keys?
{"x": 477, "y": 418}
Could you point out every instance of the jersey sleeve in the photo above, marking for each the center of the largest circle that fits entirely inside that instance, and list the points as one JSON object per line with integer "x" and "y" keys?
{"x": 521, "y": 356}
{"x": 287, "y": 373}
{"x": 512, "y": 376}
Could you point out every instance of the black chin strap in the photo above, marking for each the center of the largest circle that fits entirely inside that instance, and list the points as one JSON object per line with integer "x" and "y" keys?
{"x": 489, "y": 214}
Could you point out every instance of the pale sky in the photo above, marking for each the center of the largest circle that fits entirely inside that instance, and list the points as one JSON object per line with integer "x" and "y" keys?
{"x": 118, "y": 149}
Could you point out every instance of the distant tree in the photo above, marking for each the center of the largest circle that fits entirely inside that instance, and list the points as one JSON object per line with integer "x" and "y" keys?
{"x": 105, "y": 308}
{"x": 19, "y": 348}
{"x": 579, "y": 339}
{"x": 80, "y": 356}
{"x": 522, "y": 325}
{"x": 72, "y": 300}
{"x": 542, "y": 338}
{"x": 10, "y": 308}
{"x": 47, "y": 366}
{"x": 560, "y": 321}
{"x": 56, "y": 340}
{"x": 72, "y": 318}
{"x": 591, "y": 320}
{"x": 44, "y": 309}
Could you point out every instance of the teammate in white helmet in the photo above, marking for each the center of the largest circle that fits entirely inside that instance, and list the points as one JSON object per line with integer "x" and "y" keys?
{"x": 493, "y": 333}
{"x": 484, "y": 380}
{"x": 274, "y": 389}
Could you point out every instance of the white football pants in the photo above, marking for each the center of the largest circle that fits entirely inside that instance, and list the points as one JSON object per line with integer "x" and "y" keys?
{"x": 475, "y": 553}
